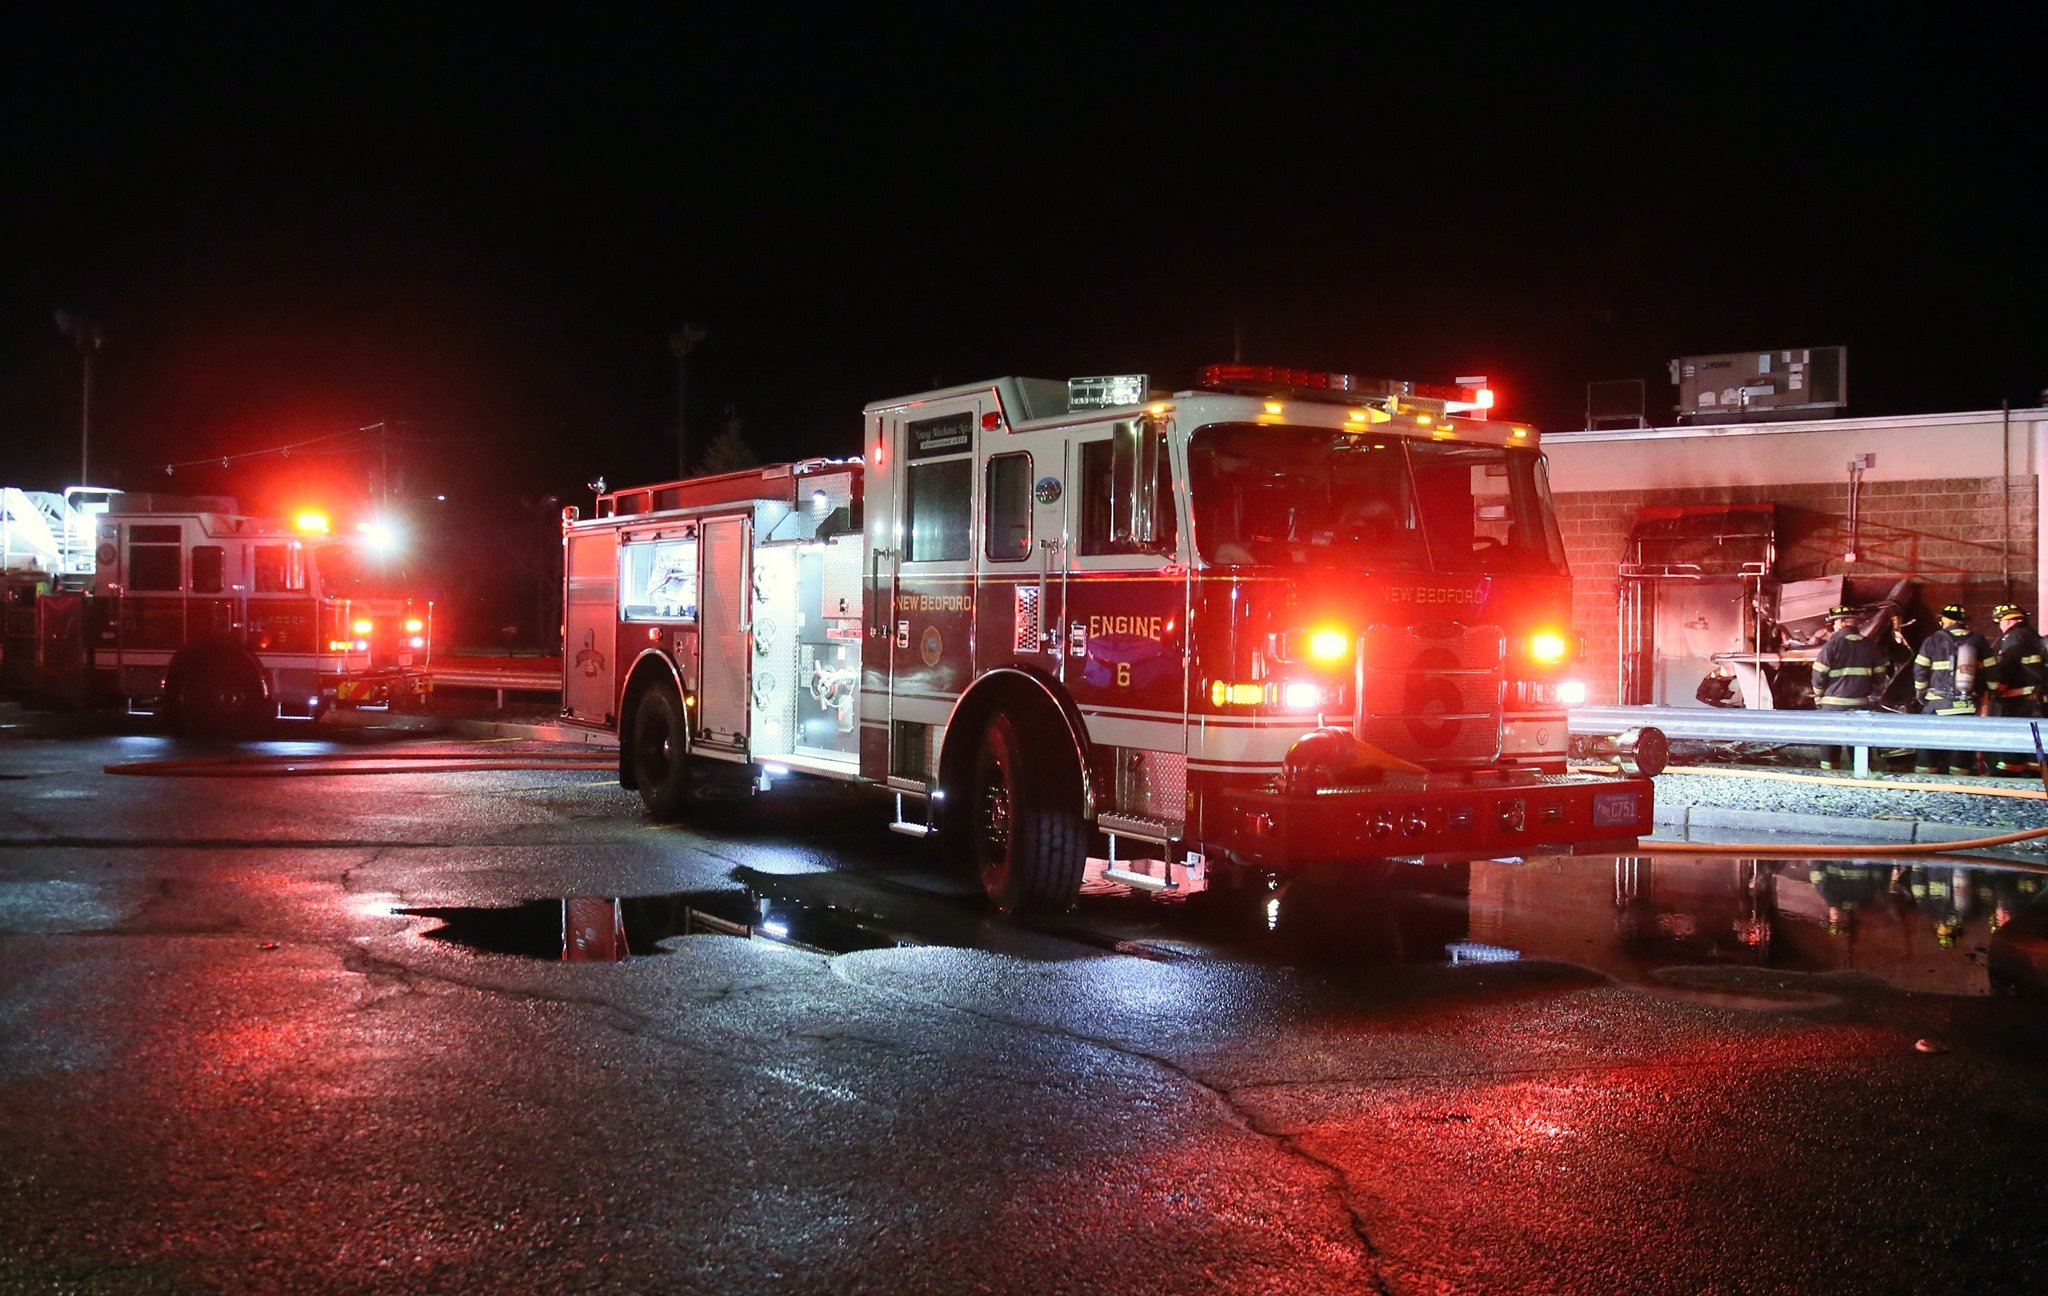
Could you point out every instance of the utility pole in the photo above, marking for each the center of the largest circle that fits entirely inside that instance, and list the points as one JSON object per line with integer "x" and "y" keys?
{"x": 380, "y": 477}
{"x": 680, "y": 344}
{"x": 87, "y": 335}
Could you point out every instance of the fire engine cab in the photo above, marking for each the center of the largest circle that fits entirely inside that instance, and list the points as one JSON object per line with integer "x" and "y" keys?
{"x": 1278, "y": 622}
{"x": 188, "y": 607}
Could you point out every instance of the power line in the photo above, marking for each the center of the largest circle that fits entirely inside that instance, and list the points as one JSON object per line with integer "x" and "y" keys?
{"x": 282, "y": 451}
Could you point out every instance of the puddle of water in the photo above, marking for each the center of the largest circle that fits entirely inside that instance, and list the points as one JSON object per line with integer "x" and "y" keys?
{"x": 612, "y": 929}
{"x": 1718, "y": 930}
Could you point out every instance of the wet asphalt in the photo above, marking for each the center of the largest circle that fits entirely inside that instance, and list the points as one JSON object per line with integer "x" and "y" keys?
{"x": 233, "y": 1058}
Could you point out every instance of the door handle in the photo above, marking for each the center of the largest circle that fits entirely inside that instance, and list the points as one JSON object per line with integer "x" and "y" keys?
{"x": 878, "y": 623}
{"x": 1047, "y": 633}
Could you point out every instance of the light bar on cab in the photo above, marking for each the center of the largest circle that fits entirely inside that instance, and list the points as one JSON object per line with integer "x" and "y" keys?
{"x": 1468, "y": 396}
{"x": 1476, "y": 400}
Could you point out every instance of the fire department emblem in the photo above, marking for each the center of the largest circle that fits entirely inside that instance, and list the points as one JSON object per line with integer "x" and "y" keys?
{"x": 1047, "y": 491}
{"x": 930, "y": 646}
{"x": 589, "y": 660}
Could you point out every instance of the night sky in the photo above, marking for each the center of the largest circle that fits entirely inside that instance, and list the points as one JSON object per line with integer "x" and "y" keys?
{"x": 485, "y": 232}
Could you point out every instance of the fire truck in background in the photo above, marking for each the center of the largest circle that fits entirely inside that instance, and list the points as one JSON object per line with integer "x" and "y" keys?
{"x": 1279, "y": 622}
{"x": 187, "y": 607}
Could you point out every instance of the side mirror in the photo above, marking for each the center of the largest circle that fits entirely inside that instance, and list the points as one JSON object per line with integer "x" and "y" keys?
{"x": 1134, "y": 480}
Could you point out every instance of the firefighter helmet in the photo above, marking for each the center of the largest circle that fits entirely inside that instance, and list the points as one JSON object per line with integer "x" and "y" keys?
{"x": 1955, "y": 612}
{"x": 1842, "y": 612}
{"x": 2008, "y": 612}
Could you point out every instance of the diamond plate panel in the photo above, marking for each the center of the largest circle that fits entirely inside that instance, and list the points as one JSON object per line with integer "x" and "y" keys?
{"x": 1028, "y": 636}
{"x": 1152, "y": 784}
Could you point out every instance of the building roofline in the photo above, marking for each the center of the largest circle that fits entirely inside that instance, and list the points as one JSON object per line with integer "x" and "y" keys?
{"x": 1695, "y": 431}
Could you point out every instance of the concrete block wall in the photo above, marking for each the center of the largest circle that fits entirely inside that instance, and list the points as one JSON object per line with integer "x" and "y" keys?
{"x": 1969, "y": 539}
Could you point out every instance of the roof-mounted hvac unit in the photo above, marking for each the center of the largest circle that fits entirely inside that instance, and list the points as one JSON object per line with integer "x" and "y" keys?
{"x": 1756, "y": 386}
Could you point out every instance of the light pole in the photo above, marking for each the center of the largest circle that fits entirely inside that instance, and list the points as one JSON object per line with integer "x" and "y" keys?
{"x": 86, "y": 335}
{"x": 680, "y": 342}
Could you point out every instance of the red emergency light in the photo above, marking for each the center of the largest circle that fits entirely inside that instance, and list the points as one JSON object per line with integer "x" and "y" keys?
{"x": 1276, "y": 379}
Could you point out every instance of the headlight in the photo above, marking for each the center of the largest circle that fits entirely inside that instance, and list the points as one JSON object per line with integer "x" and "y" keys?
{"x": 1301, "y": 696}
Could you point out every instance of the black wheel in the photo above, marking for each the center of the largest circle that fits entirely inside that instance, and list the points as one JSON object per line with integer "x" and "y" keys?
{"x": 673, "y": 783}
{"x": 217, "y": 697}
{"x": 1030, "y": 842}
{"x": 660, "y": 755}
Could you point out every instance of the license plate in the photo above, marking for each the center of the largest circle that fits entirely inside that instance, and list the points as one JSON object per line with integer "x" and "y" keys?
{"x": 1614, "y": 809}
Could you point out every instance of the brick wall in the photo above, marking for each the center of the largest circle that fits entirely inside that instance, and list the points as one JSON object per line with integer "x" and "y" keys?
{"x": 1943, "y": 531}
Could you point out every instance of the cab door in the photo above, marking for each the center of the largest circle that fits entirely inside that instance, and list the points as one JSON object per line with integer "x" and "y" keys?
{"x": 1022, "y": 553}
{"x": 1124, "y": 615}
{"x": 921, "y": 581}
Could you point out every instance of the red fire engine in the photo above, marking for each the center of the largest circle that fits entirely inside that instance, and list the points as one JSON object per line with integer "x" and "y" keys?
{"x": 1281, "y": 621}
{"x": 218, "y": 619}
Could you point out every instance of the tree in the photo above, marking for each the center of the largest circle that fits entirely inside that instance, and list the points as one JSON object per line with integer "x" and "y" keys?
{"x": 728, "y": 451}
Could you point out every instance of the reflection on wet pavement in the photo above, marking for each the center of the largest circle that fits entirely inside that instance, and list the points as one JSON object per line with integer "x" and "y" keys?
{"x": 1678, "y": 925}
{"x": 1930, "y": 928}
{"x": 611, "y": 929}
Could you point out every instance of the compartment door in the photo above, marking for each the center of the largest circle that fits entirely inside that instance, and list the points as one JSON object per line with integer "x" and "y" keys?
{"x": 725, "y": 635}
{"x": 590, "y": 627}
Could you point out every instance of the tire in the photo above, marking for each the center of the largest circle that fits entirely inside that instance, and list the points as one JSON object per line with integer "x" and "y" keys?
{"x": 673, "y": 784}
{"x": 661, "y": 755}
{"x": 1029, "y": 841}
{"x": 217, "y": 697}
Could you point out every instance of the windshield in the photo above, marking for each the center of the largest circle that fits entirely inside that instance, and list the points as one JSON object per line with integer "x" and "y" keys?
{"x": 350, "y": 571}
{"x": 1326, "y": 498}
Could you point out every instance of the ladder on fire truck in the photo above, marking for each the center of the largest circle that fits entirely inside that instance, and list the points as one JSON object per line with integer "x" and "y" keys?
{"x": 51, "y": 533}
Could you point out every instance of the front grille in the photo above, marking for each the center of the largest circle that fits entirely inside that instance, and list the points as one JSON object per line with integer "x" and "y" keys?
{"x": 1432, "y": 693}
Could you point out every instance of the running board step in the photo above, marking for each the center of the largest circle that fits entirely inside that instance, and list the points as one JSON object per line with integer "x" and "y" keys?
{"x": 1138, "y": 827}
{"x": 1137, "y": 881}
{"x": 905, "y": 826}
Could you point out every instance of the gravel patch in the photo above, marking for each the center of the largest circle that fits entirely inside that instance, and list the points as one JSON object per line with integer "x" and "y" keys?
{"x": 1877, "y": 808}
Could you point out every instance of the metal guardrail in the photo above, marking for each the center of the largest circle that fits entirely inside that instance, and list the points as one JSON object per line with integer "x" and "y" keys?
{"x": 1861, "y": 730}
{"x": 497, "y": 679}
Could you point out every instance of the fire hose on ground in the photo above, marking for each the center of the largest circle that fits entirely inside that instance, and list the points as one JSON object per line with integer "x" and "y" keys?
{"x": 330, "y": 765}
{"x": 1804, "y": 850}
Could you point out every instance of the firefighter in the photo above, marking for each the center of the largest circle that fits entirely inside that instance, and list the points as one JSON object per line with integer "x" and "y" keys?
{"x": 1848, "y": 675}
{"x": 2014, "y": 676}
{"x": 1946, "y": 679}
